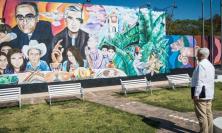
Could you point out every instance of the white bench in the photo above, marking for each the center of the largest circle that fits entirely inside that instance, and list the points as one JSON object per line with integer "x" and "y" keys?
{"x": 63, "y": 90}
{"x": 179, "y": 79}
{"x": 217, "y": 125}
{"x": 136, "y": 83}
{"x": 10, "y": 95}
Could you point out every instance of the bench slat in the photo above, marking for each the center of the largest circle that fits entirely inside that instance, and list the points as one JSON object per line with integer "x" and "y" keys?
{"x": 11, "y": 90}
{"x": 9, "y": 98}
{"x": 66, "y": 92}
{"x": 9, "y": 93}
{"x": 66, "y": 85}
{"x": 62, "y": 89}
{"x": 135, "y": 85}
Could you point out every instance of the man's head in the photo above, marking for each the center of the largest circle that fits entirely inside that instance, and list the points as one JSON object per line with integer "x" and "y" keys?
{"x": 34, "y": 56}
{"x": 202, "y": 53}
{"x": 73, "y": 18}
{"x": 26, "y": 16}
{"x": 34, "y": 51}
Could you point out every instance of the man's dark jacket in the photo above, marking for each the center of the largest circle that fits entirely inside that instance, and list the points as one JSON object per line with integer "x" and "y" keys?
{"x": 80, "y": 41}
{"x": 42, "y": 33}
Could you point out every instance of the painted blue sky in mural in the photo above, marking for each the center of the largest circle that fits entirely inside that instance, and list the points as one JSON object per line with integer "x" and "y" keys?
{"x": 186, "y": 9}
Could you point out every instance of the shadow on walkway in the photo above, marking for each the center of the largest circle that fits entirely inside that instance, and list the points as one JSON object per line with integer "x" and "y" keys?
{"x": 165, "y": 124}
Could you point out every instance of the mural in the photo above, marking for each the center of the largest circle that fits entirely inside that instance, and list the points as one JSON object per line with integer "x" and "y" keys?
{"x": 50, "y": 42}
{"x": 47, "y": 42}
{"x": 182, "y": 49}
{"x": 217, "y": 50}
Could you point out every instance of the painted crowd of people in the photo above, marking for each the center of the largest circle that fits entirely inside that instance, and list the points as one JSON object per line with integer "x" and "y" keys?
{"x": 31, "y": 46}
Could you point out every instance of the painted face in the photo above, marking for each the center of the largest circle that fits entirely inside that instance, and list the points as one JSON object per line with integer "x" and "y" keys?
{"x": 92, "y": 43}
{"x": 104, "y": 52}
{"x": 111, "y": 53}
{"x": 72, "y": 21}
{"x": 71, "y": 58}
{"x": 26, "y": 18}
{"x": 138, "y": 56}
{"x": 17, "y": 60}
{"x": 101, "y": 16}
{"x": 34, "y": 56}
{"x": 3, "y": 62}
{"x": 5, "y": 49}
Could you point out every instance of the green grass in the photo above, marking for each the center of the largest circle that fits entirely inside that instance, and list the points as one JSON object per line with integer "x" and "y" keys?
{"x": 72, "y": 117}
{"x": 179, "y": 99}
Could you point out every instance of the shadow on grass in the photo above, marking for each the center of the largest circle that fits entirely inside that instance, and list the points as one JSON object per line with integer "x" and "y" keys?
{"x": 131, "y": 93}
{"x": 165, "y": 124}
{"x": 62, "y": 100}
{"x": 4, "y": 130}
{"x": 140, "y": 91}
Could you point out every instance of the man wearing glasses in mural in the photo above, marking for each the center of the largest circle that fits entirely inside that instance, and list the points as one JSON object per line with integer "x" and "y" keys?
{"x": 29, "y": 27}
{"x": 71, "y": 36}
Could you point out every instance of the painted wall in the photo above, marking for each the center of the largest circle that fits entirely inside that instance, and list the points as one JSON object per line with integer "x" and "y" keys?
{"x": 111, "y": 41}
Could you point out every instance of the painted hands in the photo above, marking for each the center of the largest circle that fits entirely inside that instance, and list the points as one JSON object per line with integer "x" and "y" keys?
{"x": 57, "y": 52}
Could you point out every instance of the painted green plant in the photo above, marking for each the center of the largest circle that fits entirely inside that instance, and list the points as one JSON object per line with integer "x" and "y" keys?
{"x": 124, "y": 57}
{"x": 149, "y": 35}
{"x": 152, "y": 39}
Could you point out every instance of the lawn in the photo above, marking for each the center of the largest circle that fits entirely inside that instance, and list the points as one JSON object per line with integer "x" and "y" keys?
{"x": 179, "y": 99}
{"x": 72, "y": 117}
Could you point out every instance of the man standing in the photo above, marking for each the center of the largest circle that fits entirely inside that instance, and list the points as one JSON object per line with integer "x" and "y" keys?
{"x": 72, "y": 35}
{"x": 203, "y": 90}
{"x": 30, "y": 28}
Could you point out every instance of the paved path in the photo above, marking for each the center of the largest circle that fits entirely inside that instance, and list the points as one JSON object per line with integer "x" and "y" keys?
{"x": 170, "y": 121}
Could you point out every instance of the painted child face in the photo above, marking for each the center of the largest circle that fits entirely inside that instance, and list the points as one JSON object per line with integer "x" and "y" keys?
{"x": 104, "y": 52}
{"x": 26, "y": 18}
{"x": 34, "y": 56}
{"x": 3, "y": 62}
{"x": 111, "y": 53}
{"x": 5, "y": 49}
{"x": 17, "y": 60}
{"x": 71, "y": 57}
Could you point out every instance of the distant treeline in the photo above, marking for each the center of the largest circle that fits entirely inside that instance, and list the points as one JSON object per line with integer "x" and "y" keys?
{"x": 192, "y": 27}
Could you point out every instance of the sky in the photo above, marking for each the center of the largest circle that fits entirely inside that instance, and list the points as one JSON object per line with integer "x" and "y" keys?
{"x": 186, "y": 9}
